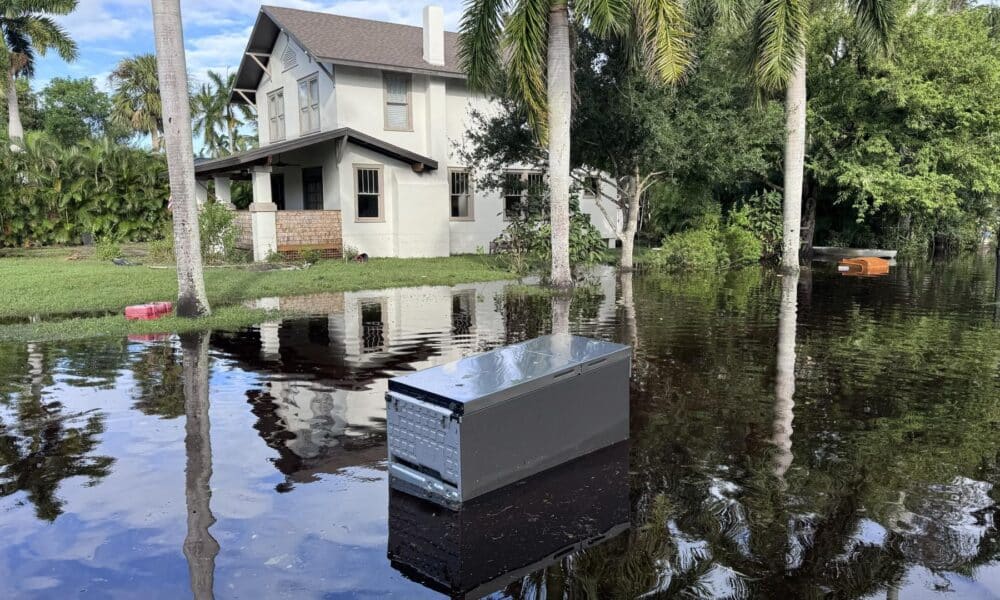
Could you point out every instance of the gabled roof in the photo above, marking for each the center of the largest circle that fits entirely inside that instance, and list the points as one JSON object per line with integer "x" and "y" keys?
{"x": 264, "y": 154}
{"x": 342, "y": 40}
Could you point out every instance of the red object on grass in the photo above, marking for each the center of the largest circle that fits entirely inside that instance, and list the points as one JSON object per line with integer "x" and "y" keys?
{"x": 148, "y": 312}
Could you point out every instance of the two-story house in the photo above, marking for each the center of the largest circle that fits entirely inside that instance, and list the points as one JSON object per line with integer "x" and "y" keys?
{"x": 359, "y": 123}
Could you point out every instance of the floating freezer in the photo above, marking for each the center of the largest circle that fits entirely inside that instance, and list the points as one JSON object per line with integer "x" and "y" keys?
{"x": 469, "y": 427}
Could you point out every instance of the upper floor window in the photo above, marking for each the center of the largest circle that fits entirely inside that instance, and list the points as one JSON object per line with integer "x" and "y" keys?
{"x": 309, "y": 105}
{"x": 276, "y": 114}
{"x": 368, "y": 192}
{"x": 398, "y": 113}
{"x": 460, "y": 189}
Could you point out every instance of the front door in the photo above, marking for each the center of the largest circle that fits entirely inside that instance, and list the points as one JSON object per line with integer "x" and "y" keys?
{"x": 312, "y": 188}
{"x": 278, "y": 190}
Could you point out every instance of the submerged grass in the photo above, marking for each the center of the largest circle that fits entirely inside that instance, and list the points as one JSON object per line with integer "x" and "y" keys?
{"x": 43, "y": 285}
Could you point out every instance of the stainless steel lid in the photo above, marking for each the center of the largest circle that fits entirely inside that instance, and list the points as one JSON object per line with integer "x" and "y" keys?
{"x": 475, "y": 382}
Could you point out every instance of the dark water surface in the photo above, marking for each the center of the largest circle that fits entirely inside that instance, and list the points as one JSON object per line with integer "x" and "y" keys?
{"x": 826, "y": 437}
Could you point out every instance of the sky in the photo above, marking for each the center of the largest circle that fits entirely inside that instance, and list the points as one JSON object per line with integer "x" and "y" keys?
{"x": 215, "y": 31}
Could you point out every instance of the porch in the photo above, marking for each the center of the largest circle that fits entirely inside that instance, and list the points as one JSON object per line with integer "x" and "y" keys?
{"x": 296, "y": 191}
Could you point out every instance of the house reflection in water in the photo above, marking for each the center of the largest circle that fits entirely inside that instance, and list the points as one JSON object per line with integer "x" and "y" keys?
{"x": 322, "y": 406}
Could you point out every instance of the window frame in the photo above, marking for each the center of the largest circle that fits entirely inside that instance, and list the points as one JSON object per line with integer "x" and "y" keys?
{"x": 272, "y": 119}
{"x": 469, "y": 191}
{"x": 381, "y": 193}
{"x": 408, "y": 77}
{"x": 523, "y": 176}
{"x": 308, "y": 79}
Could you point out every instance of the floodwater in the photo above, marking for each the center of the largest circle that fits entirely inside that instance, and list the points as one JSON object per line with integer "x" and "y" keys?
{"x": 821, "y": 437}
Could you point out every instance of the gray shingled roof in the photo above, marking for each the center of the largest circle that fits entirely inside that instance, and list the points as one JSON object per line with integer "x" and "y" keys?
{"x": 336, "y": 39}
{"x": 345, "y": 41}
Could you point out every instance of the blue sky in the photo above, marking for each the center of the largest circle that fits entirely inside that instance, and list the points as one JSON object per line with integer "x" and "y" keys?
{"x": 215, "y": 31}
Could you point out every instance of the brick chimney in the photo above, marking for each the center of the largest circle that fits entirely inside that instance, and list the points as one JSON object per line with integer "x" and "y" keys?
{"x": 434, "y": 35}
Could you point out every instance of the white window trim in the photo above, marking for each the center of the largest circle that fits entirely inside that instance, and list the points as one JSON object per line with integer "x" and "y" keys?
{"x": 381, "y": 194}
{"x": 385, "y": 100}
{"x": 470, "y": 192}
{"x": 306, "y": 80}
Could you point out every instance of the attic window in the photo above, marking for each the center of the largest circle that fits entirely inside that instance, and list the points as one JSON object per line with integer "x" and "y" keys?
{"x": 289, "y": 59}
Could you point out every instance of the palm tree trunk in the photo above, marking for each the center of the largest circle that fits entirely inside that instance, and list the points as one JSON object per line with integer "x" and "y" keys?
{"x": 200, "y": 548}
{"x": 627, "y": 262}
{"x": 154, "y": 137}
{"x": 560, "y": 107}
{"x": 795, "y": 151}
{"x": 172, "y": 68}
{"x": 15, "y": 131}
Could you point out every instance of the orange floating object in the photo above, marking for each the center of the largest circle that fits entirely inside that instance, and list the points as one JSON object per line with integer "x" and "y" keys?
{"x": 867, "y": 266}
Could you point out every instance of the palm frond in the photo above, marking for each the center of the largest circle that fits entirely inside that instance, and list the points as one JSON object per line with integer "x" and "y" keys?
{"x": 875, "y": 20}
{"x": 526, "y": 43}
{"x": 778, "y": 36}
{"x": 663, "y": 38}
{"x": 46, "y": 34}
{"x": 605, "y": 16}
{"x": 479, "y": 42}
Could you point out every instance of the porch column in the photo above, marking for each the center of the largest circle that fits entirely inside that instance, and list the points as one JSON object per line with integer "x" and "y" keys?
{"x": 223, "y": 191}
{"x": 201, "y": 192}
{"x": 263, "y": 217}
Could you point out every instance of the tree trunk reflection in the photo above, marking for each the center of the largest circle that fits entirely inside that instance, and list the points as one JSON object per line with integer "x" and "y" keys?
{"x": 784, "y": 388}
{"x": 200, "y": 548}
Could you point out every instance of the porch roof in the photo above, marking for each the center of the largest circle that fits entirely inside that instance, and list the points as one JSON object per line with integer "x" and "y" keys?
{"x": 265, "y": 154}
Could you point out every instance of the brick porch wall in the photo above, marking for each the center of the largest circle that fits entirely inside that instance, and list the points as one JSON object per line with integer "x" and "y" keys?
{"x": 244, "y": 237}
{"x": 300, "y": 230}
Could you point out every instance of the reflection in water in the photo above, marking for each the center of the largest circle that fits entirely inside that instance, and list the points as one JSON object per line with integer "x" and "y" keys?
{"x": 497, "y": 539}
{"x": 893, "y": 491}
{"x": 200, "y": 548}
{"x": 784, "y": 388}
{"x": 41, "y": 444}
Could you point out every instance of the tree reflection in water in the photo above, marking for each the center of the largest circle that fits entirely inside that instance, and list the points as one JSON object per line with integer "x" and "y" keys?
{"x": 40, "y": 445}
{"x": 200, "y": 548}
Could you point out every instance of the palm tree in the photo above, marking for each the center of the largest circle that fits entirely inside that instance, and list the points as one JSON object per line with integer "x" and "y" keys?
{"x": 779, "y": 46}
{"x": 172, "y": 68}
{"x": 136, "y": 102}
{"x": 27, "y": 30}
{"x": 215, "y": 115}
{"x": 533, "y": 37}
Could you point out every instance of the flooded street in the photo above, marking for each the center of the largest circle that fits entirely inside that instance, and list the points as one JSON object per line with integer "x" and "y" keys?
{"x": 790, "y": 437}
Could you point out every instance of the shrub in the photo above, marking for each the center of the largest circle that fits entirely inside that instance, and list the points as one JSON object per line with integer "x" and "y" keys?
{"x": 162, "y": 251}
{"x": 218, "y": 234}
{"x": 760, "y": 214}
{"x": 55, "y": 194}
{"x": 694, "y": 249}
{"x": 311, "y": 256}
{"x": 350, "y": 252}
{"x": 741, "y": 247}
{"x": 108, "y": 250}
{"x": 526, "y": 243}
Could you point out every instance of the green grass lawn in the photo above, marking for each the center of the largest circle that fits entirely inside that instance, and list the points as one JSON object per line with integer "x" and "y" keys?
{"x": 46, "y": 286}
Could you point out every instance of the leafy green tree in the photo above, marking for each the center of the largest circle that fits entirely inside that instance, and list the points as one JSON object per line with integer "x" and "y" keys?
{"x": 136, "y": 101}
{"x": 217, "y": 119}
{"x": 74, "y": 110}
{"x": 523, "y": 48}
{"x": 27, "y": 30}
{"x": 781, "y": 35}
{"x": 912, "y": 141}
